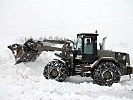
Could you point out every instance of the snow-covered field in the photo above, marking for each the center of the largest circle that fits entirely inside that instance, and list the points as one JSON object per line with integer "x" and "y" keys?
{"x": 26, "y": 82}
{"x": 63, "y": 18}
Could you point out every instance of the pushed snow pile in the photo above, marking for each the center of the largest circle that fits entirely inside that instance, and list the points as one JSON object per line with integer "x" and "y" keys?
{"x": 26, "y": 82}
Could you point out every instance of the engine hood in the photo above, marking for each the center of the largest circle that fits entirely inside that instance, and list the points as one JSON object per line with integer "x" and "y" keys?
{"x": 122, "y": 58}
{"x": 106, "y": 53}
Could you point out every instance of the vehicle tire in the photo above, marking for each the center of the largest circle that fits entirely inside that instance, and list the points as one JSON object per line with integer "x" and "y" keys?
{"x": 106, "y": 73}
{"x": 56, "y": 70}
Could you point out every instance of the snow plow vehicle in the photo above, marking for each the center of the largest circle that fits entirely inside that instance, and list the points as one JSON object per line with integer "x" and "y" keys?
{"x": 83, "y": 58}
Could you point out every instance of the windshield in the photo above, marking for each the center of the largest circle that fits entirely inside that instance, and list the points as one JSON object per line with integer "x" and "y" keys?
{"x": 79, "y": 43}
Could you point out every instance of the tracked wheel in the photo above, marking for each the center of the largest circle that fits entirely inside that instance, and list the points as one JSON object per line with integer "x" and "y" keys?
{"x": 56, "y": 70}
{"x": 106, "y": 73}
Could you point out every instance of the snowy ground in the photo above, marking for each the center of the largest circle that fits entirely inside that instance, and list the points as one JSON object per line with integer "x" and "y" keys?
{"x": 26, "y": 82}
{"x": 65, "y": 18}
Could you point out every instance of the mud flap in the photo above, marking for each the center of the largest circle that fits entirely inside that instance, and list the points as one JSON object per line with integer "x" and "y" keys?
{"x": 129, "y": 71}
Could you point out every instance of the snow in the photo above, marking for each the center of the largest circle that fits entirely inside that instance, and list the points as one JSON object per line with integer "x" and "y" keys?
{"x": 62, "y": 18}
{"x": 26, "y": 82}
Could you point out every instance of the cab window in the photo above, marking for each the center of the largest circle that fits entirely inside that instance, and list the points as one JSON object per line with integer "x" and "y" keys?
{"x": 88, "y": 47}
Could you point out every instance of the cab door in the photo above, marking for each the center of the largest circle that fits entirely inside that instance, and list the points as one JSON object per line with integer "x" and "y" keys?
{"x": 90, "y": 49}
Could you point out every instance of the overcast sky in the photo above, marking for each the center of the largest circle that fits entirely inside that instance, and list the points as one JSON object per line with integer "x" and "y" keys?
{"x": 66, "y": 18}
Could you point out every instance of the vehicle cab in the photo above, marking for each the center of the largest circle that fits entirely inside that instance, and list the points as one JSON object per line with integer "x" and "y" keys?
{"x": 86, "y": 48}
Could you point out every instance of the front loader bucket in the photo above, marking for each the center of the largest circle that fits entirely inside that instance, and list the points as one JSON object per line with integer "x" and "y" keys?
{"x": 22, "y": 53}
{"x": 25, "y": 52}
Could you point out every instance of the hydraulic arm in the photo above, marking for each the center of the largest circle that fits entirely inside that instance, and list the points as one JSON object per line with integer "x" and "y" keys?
{"x": 31, "y": 49}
